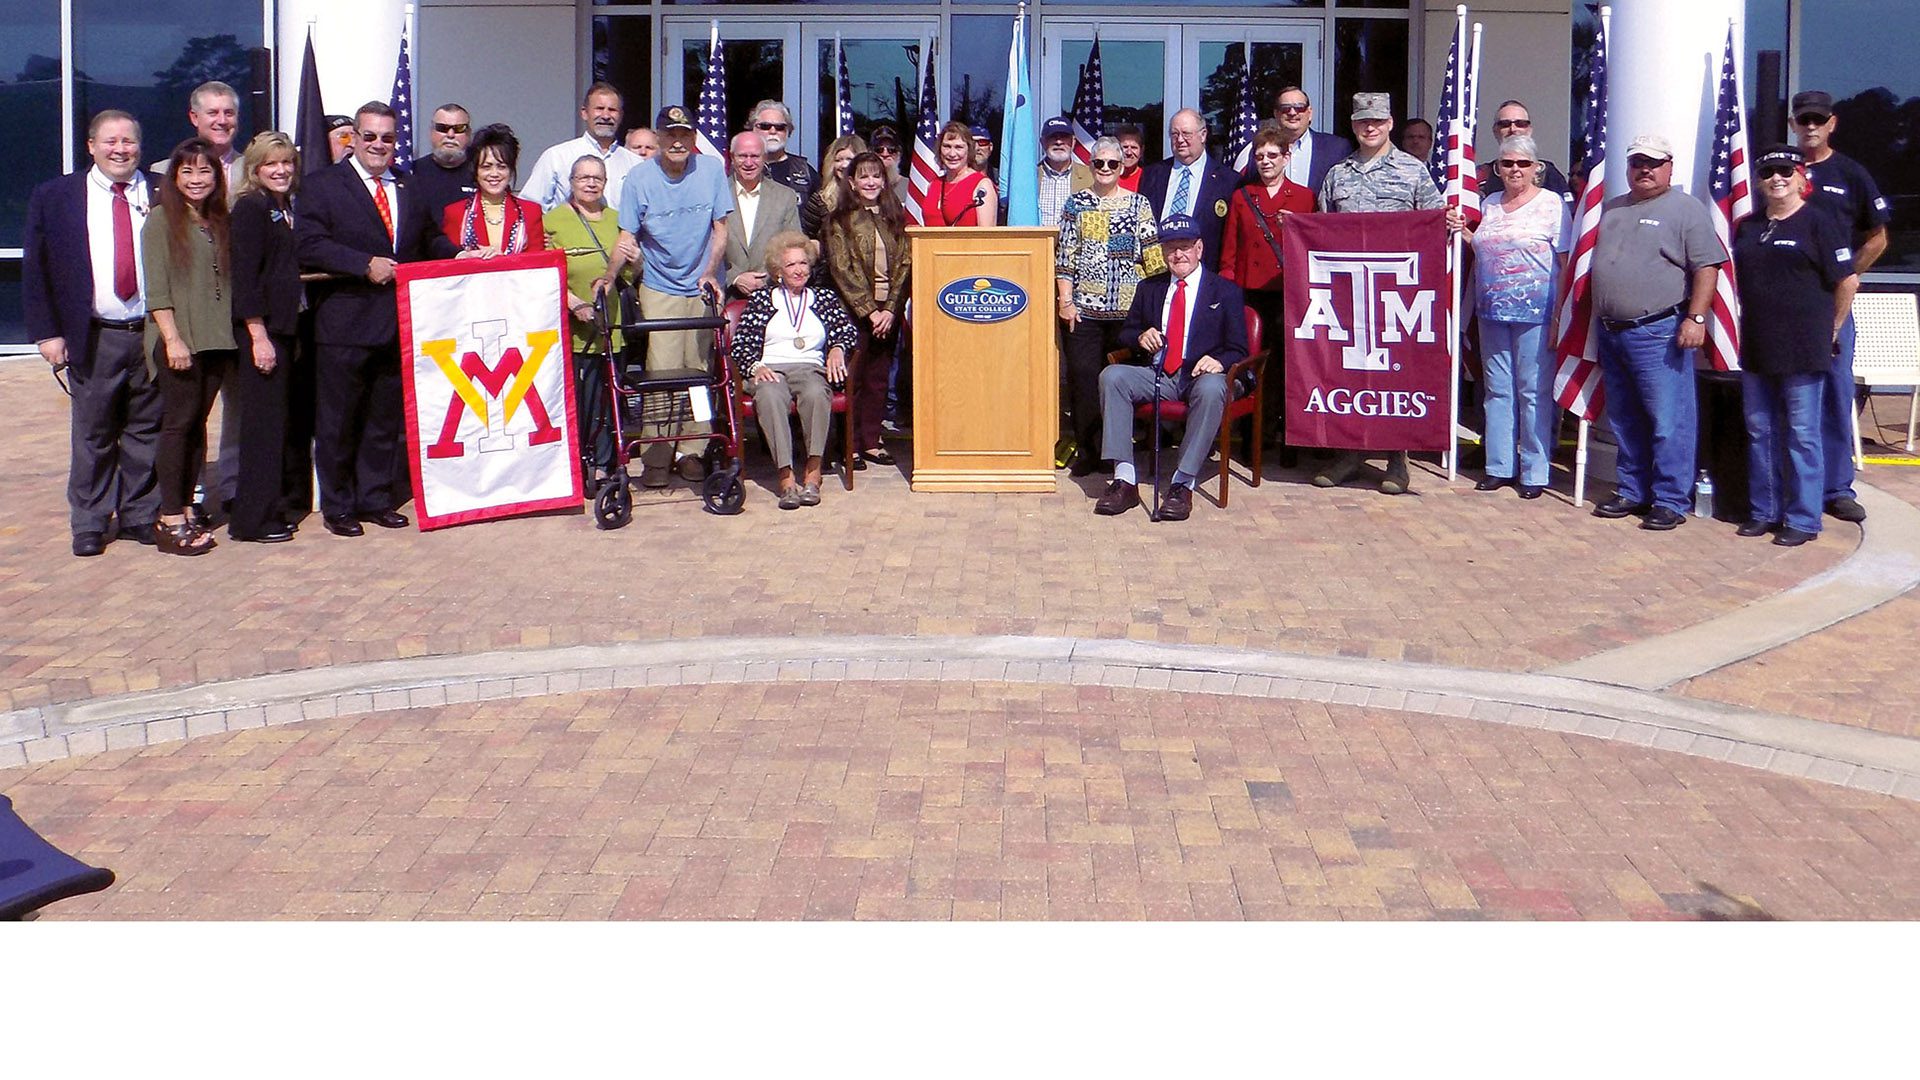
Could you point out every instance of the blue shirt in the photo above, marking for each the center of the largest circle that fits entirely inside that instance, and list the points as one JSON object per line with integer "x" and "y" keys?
{"x": 673, "y": 221}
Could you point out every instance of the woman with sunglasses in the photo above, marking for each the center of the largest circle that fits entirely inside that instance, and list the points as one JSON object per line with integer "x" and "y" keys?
{"x": 1250, "y": 258}
{"x": 1796, "y": 282}
{"x": 1109, "y": 240}
{"x": 1519, "y": 248}
{"x": 495, "y": 221}
{"x": 961, "y": 194}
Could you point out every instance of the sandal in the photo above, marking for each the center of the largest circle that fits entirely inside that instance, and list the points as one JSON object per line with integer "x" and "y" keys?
{"x": 181, "y": 539}
{"x": 878, "y": 455}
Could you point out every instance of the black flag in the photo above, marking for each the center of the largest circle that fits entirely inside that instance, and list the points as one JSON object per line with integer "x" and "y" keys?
{"x": 310, "y": 129}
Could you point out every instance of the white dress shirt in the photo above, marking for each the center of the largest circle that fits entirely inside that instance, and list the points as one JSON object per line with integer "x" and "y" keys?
{"x": 107, "y": 305}
{"x": 1166, "y": 309}
{"x": 1300, "y": 165}
{"x": 748, "y": 203}
{"x": 393, "y": 195}
{"x": 550, "y": 181}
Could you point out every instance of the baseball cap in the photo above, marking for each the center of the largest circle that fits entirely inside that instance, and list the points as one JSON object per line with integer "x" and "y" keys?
{"x": 1781, "y": 154}
{"x": 1372, "y": 107}
{"x": 1653, "y": 146}
{"x": 980, "y": 132}
{"x": 335, "y": 122}
{"x": 673, "y": 116}
{"x": 883, "y": 134}
{"x": 1058, "y": 125}
{"x": 1812, "y": 101}
{"x": 1179, "y": 227}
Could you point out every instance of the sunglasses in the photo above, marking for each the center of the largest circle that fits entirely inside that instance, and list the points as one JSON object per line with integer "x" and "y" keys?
{"x": 1104, "y": 164}
{"x": 773, "y": 127}
{"x": 885, "y": 148}
{"x": 1768, "y": 172}
{"x": 1638, "y": 162}
{"x": 1515, "y": 163}
{"x": 451, "y": 129}
{"x": 1521, "y": 124}
{"x": 386, "y": 137}
{"x": 1293, "y": 110}
{"x": 1811, "y": 119}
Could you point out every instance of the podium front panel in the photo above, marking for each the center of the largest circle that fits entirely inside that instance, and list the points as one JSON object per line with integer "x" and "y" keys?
{"x": 986, "y": 366}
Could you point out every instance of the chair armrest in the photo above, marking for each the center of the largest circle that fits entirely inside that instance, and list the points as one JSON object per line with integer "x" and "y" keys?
{"x": 1119, "y": 356}
{"x": 1257, "y": 361}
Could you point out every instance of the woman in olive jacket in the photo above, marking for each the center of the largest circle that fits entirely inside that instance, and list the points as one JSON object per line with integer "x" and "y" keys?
{"x": 868, "y": 258}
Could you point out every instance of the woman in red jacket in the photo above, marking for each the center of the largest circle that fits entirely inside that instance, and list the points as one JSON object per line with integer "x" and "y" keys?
{"x": 1250, "y": 258}
{"x": 494, "y": 221}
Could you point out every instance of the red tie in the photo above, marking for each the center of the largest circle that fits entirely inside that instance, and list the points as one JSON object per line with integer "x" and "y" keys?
{"x": 1176, "y": 328}
{"x": 385, "y": 207}
{"x": 126, "y": 282}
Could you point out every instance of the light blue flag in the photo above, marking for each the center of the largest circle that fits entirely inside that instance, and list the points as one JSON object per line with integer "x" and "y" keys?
{"x": 1020, "y": 135}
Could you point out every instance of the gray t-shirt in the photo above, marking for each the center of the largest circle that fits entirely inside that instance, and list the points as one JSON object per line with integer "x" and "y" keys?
{"x": 1648, "y": 250}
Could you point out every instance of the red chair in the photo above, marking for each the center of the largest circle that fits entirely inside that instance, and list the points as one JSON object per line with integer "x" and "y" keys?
{"x": 842, "y": 398}
{"x": 1240, "y": 408}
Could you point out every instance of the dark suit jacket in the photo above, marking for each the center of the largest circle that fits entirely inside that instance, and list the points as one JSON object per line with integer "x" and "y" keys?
{"x": 1219, "y": 326}
{"x": 1328, "y": 151}
{"x": 56, "y": 276}
{"x": 1210, "y": 204}
{"x": 266, "y": 269}
{"x": 339, "y": 231}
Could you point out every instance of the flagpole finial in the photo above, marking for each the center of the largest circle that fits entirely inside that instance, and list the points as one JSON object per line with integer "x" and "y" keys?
{"x": 1460, "y": 10}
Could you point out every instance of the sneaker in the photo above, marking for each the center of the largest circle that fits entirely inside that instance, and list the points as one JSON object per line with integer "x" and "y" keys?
{"x": 655, "y": 476}
{"x": 1660, "y": 519}
{"x": 1338, "y": 471}
{"x": 1396, "y": 481}
{"x": 1846, "y": 509}
{"x": 691, "y": 468}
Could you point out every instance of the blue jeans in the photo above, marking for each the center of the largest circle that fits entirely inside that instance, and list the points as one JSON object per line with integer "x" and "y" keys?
{"x": 1784, "y": 474}
{"x": 1650, "y": 403}
{"x": 1519, "y": 400}
{"x": 1836, "y": 420}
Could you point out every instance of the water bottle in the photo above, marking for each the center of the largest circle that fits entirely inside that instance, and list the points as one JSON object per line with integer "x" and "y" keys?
{"x": 1703, "y": 495}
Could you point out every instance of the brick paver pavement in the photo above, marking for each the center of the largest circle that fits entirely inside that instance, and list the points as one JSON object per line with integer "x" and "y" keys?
{"x": 954, "y": 801}
{"x": 1449, "y": 576}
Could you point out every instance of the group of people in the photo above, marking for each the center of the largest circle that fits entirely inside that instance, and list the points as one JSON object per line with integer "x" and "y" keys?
{"x": 159, "y": 294}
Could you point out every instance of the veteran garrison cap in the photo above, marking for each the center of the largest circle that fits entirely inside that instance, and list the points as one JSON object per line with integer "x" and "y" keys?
{"x": 1179, "y": 227}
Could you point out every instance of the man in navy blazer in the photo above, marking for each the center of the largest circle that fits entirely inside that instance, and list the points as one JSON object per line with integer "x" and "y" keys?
{"x": 1312, "y": 152}
{"x": 83, "y": 289}
{"x": 1192, "y": 183}
{"x": 1190, "y": 325}
{"x": 343, "y": 229}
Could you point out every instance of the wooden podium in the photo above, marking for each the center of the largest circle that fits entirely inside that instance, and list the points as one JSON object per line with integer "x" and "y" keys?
{"x": 986, "y": 364}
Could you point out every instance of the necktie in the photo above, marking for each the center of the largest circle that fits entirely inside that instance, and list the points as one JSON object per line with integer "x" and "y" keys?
{"x": 126, "y": 282}
{"x": 1182, "y": 191}
{"x": 386, "y": 208}
{"x": 1176, "y": 329}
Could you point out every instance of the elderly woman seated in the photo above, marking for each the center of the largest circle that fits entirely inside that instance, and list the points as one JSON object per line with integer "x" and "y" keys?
{"x": 791, "y": 343}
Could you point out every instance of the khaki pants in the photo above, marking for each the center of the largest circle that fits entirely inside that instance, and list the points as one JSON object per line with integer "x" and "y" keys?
{"x": 670, "y": 351}
{"x": 806, "y": 385}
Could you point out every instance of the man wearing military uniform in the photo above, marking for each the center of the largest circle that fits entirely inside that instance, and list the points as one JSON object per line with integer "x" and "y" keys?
{"x": 1844, "y": 190}
{"x": 1377, "y": 178}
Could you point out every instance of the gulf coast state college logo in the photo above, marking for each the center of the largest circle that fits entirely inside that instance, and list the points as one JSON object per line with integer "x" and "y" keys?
{"x": 1383, "y": 309}
{"x": 493, "y": 382}
{"x": 982, "y": 299}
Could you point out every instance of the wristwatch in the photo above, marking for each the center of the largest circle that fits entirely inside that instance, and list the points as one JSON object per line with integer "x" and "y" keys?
{"x": 1701, "y": 319}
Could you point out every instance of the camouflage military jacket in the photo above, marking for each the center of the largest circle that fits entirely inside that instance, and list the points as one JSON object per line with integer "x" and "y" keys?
{"x": 1396, "y": 180}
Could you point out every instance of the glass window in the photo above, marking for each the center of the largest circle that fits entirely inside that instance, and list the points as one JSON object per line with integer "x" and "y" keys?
{"x": 29, "y": 112}
{"x": 623, "y": 55}
{"x": 1133, "y": 79}
{"x": 880, "y": 81}
{"x": 1276, "y": 64}
{"x": 754, "y": 74}
{"x": 977, "y": 93}
{"x": 13, "y": 318}
{"x": 1876, "y": 91}
{"x": 1766, "y": 71}
{"x": 1369, "y": 56}
{"x": 147, "y": 57}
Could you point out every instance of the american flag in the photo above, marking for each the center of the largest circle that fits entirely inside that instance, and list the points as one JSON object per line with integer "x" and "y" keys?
{"x": 402, "y": 101}
{"x": 926, "y": 138}
{"x": 1245, "y": 120}
{"x": 1732, "y": 200}
{"x": 1576, "y": 381}
{"x": 1452, "y": 163}
{"x": 842, "y": 91}
{"x": 710, "y": 119}
{"x": 1089, "y": 106}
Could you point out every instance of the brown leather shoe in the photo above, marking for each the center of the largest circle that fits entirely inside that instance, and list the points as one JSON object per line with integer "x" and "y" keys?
{"x": 1120, "y": 498}
{"x": 1178, "y": 505}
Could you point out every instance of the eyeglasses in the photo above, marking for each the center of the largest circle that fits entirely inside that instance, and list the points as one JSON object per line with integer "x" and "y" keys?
{"x": 1104, "y": 164}
{"x": 1515, "y": 163}
{"x": 773, "y": 127}
{"x": 1185, "y": 136}
{"x": 1292, "y": 110}
{"x": 1811, "y": 119}
{"x": 1521, "y": 124}
{"x": 451, "y": 129}
{"x": 384, "y": 137}
{"x": 1647, "y": 163}
{"x": 592, "y": 178}
{"x": 1768, "y": 172}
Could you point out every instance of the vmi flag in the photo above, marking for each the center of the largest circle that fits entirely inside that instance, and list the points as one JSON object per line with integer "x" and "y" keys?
{"x": 490, "y": 410}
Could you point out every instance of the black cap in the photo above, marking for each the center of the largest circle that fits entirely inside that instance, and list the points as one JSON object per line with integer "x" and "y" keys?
{"x": 673, "y": 116}
{"x": 1812, "y": 101}
{"x": 1780, "y": 154}
{"x": 335, "y": 122}
{"x": 1058, "y": 125}
{"x": 883, "y": 133}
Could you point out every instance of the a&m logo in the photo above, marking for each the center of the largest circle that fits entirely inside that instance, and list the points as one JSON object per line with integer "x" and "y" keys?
{"x": 494, "y": 383}
{"x": 1381, "y": 312}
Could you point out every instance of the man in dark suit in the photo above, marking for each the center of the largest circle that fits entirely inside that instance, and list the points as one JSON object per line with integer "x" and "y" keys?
{"x": 358, "y": 221}
{"x": 1190, "y": 324}
{"x": 1311, "y": 152}
{"x": 83, "y": 286}
{"x": 1192, "y": 183}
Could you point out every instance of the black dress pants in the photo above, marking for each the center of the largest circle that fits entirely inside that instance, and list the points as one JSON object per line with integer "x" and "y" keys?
{"x": 186, "y": 398}
{"x": 1273, "y": 328}
{"x": 358, "y": 424}
{"x": 296, "y": 463}
{"x": 1087, "y": 346}
{"x": 258, "y": 498}
{"x": 116, "y": 433}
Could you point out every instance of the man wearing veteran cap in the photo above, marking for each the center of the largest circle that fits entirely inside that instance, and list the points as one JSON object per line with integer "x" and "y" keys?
{"x": 1060, "y": 175}
{"x": 1654, "y": 268}
{"x": 1190, "y": 325}
{"x": 1377, "y": 178}
{"x": 1844, "y": 191}
{"x": 675, "y": 208}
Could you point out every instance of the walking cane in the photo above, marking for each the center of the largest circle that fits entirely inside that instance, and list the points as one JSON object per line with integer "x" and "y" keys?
{"x": 1154, "y": 515}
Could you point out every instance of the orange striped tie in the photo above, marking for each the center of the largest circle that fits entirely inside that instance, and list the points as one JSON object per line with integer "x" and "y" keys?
{"x": 386, "y": 209}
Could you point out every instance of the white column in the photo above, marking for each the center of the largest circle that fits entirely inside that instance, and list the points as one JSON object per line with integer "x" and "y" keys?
{"x": 1665, "y": 77}
{"x": 355, "y": 44}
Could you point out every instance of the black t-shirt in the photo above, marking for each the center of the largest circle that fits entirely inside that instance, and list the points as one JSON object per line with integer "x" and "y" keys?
{"x": 438, "y": 186}
{"x": 794, "y": 172}
{"x": 1844, "y": 189}
{"x": 1788, "y": 271}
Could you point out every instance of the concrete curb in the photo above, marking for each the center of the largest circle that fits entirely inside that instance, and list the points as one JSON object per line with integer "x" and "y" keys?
{"x": 1850, "y": 757}
{"x": 1885, "y": 565}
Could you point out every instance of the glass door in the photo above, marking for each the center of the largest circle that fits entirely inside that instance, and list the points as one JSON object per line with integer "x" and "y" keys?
{"x": 882, "y": 74}
{"x": 1213, "y": 59}
{"x": 761, "y": 55}
{"x": 1139, "y": 66}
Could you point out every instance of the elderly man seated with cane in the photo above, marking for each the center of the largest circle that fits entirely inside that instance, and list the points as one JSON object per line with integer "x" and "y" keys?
{"x": 1191, "y": 325}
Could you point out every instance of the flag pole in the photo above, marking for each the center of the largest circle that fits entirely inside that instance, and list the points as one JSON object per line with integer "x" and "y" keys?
{"x": 1580, "y": 441}
{"x": 839, "y": 91}
{"x": 1456, "y": 264}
